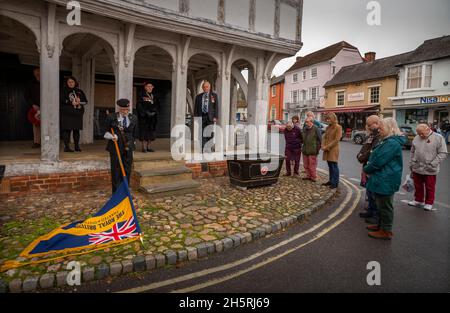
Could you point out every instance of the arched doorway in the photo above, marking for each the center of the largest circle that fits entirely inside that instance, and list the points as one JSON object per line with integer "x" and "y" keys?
{"x": 201, "y": 67}
{"x": 242, "y": 79}
{"x": 88, "y": 58}
{"x": 18, "y": 57}
{"x": 155, "y": 65}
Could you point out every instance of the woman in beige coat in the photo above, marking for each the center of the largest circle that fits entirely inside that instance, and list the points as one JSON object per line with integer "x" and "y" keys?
{"x": 330, "y": 147}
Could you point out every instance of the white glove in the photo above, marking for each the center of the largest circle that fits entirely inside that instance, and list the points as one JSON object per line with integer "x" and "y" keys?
{"x": 110, "y": 136}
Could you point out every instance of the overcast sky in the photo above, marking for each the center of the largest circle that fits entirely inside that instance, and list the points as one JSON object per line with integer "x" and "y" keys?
{"x": 405, "y": 24}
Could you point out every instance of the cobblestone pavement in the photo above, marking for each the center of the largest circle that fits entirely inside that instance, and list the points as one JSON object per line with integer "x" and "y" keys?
{"x": 172, "y": 223}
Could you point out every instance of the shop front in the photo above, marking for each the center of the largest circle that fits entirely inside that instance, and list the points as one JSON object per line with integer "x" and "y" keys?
{"x": 352, "y": 118}
{"x": 414, "y": 111}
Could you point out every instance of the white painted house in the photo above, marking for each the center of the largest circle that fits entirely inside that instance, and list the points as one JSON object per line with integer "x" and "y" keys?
{"x": 424, "y": 84}
{"x": 304, "y": 81}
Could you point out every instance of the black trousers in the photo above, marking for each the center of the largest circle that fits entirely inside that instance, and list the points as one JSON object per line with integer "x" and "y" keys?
{"x": 205, "y": 123}
{"x": 66, "y": 137}
{"x": 116, "y": 171}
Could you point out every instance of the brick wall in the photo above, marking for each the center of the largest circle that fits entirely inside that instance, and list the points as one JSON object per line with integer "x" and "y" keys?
{"x": 59, "y": 182}
{"x": 88, "y": 180}
{"x": 215, "y": 169}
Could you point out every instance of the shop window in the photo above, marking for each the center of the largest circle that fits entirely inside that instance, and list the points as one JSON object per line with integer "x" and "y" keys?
{"x": 416, "y": 116}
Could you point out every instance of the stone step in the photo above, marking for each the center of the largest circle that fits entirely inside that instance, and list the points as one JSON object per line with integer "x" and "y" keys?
{"x": 163, "y": 175}
{"x": 156, "y": 164}
{"x": 176, "y": 187}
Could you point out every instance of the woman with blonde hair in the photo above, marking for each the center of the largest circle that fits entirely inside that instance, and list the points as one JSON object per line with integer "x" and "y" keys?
{"x": 385, "y": 168}
{"x": 330, "y": 147}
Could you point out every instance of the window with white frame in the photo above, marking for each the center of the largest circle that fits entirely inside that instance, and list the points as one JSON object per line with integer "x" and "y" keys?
{"x": 294, "y": 96}
{"x": 295, "y": 78}
{"x": 314, "y": 93}
{"x": 274, "y": 91}
{"x": 273, "y": 113}
{"x": 304, "y": 95}
{"x": 375, "y": 95}
{"x": 419, "y": 76}
{"x": 428, "y": 74}
{"x": 333, "y": 70}
{"x": 340, "y": 98}
{"x": 414, "y": 77}
{"x": 304, "y": 75}
{"x": 314, "y": 72}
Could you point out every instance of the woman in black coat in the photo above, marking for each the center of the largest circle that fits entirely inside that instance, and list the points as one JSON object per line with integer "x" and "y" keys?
{"x": 148, "y": 110}
{"x": 72, "y": 105}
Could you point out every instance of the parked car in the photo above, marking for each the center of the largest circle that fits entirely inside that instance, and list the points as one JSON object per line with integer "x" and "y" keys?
{"x": 409, "y": 133}
{"x": 360, "y": 136}
{"x": 279, "y": 124}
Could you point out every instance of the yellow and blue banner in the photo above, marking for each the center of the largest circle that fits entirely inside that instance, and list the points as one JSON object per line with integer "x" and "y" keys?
{"x": 115, "y": 223}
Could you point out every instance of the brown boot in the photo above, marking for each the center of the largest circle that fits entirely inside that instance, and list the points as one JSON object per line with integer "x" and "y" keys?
{"x": 381, "y": 234}
{"x": 373, "y": 227}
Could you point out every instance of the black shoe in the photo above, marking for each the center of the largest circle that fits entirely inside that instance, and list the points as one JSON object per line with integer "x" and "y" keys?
{"x": 150, "y": 150}
{"x": 365, "y": 215}
{"x": 306, "y": 178}
{"x": 77, "y": 149}
{"x": 287, "y": 174}
{"x": 372, "y": 220}
{"x": 326, "y": 184}
{"x": 35, "y": 146}
{"x": 67, "y": 149}
{"x": 333, "y": 187}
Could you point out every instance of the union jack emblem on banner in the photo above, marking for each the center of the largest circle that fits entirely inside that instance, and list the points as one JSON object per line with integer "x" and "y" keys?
{"x": 127, "y": 230}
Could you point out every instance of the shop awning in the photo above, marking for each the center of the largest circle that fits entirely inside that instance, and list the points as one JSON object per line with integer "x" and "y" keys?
{"x": 368, "y": 109}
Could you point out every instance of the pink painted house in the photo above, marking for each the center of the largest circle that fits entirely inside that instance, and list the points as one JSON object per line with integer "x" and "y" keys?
{"x": 304, "y": 81}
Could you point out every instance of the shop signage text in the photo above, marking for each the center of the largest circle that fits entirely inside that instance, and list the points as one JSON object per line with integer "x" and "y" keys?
{"x": 356, "y": 97}
{"x": 438, "y": 99}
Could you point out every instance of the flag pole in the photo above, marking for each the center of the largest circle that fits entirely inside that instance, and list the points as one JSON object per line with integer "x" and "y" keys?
{"x": 118, "y": 155}
{"x": 125, "y": 177}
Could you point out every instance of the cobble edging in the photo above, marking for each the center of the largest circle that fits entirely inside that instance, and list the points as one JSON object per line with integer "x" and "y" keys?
{"x": 142, "y": 263}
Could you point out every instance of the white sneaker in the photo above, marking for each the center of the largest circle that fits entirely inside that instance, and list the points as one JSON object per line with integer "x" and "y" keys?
{"x": 416, "y": 204}
{"x": 428, "y": 207}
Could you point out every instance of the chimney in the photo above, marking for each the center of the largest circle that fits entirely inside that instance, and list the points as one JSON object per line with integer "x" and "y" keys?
{"x": 370, "y": 57}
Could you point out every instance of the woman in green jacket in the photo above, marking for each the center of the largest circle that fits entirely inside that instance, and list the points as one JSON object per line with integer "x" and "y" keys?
{"x": 385, "y": 168}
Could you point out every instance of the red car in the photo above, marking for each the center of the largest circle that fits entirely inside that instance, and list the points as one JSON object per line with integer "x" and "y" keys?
{"x": 279, "y": 124}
